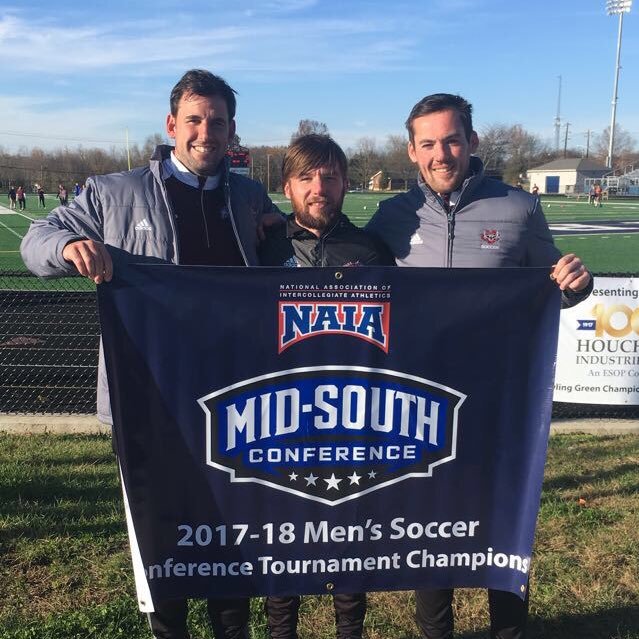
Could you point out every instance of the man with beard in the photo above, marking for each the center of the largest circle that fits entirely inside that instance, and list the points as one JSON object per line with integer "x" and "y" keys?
{"x": 317, "y": 233}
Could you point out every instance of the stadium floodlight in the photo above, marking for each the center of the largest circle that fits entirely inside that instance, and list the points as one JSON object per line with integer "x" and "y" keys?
{"x": 613, "y": 8}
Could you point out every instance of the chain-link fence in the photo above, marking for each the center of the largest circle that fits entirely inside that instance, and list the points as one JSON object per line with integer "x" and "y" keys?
{"x": 49, "y": 337}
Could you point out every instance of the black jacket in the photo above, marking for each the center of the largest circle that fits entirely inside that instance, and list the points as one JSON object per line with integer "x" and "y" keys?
{"x": 343, "y": 244}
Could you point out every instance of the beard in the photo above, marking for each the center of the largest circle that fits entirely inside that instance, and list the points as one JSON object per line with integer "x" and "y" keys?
{"x": 318, "y": 222}
{"x": 320, "y": 219}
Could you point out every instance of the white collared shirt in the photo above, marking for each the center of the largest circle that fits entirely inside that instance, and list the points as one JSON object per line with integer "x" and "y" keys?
{"x": 171, "y": 166}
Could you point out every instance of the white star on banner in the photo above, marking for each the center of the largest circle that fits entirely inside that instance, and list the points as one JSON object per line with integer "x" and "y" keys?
{"x": 372, "y": 474}
{"x": 332, "y": 482}
{"x": 311, "y": 479}
{"x": 293, "y": 476}
{"x": 354, "y": 478}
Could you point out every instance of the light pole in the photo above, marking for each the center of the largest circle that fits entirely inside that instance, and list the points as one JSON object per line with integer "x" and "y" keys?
{"x": 613, "y": 8}
{"x": 128, "y": 154}
{"x": 268, "y": 172}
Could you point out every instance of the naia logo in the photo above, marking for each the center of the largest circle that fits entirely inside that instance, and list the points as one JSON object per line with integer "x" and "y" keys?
{"x": 365, "y": 320}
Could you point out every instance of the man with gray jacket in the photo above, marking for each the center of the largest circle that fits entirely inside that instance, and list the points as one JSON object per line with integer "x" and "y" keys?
{"x": 457, "y": 217}
{"x": 184, "y": 208}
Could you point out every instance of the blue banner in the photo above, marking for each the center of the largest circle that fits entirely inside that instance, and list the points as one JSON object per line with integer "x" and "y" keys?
{"x": 291, "y": 431}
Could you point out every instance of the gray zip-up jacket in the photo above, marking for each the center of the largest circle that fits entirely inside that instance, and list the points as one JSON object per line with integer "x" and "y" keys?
{"x": 490, "y": 224}
{"x": 111, "y": 207}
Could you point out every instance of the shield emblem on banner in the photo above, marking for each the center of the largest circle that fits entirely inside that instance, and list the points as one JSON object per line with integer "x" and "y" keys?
{"x": 331, "y": 433}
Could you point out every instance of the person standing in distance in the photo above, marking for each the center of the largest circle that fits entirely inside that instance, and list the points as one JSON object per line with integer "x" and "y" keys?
{"x": 41, "y": 202}
{"x": 184, "y": 208}
{"x": 317, "y": 233}
{"x": 457, "y": 217}
{"x": 12, "y": 195}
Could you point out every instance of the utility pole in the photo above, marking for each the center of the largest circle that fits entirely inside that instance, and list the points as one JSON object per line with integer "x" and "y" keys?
{"x": 128, "y": 153}
{"x": 587, "y": 134}
{"x": 558, "y": 117}
{"x": 268, "y": 172}
{"x": 566, "y": 138}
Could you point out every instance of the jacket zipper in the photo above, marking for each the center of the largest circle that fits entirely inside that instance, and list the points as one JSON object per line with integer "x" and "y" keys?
{"x": 227, "y": 197}
{"x": 325, "y": 237}
{"x": 450, "y": 216}
{"x": 169, "y": 208}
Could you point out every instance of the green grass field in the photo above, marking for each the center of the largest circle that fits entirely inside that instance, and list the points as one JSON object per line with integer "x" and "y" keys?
{"x": 13, "y": 226}
{"x": 65, "y": 568}
{"x": 603, "y": 253}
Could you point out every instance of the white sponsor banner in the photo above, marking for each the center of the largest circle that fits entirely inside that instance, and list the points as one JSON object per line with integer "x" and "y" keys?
{"x": 598, "y": 352}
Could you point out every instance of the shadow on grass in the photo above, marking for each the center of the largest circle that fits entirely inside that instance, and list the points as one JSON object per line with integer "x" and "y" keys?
{"x": 569, "y": 481}
{"x": 46, "y": 505}
{"x": 615, "y": 623}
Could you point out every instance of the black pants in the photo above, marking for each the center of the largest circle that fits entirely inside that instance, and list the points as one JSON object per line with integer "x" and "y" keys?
{"x": 229, "y": 618}
{"x": 434, "y": 614}
{"x": 282, "y": 613}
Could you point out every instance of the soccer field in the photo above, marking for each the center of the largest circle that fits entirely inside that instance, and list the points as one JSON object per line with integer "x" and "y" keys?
{"x": 606, "y": 238}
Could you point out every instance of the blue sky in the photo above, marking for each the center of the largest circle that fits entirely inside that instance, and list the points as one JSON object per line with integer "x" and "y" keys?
{"x": 82, "y": 73}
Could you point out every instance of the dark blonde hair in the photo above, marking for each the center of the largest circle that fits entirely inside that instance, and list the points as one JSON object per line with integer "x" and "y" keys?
{"x": 310, "y": 152}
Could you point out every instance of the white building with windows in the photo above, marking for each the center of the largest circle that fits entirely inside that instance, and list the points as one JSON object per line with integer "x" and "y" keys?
{"x": 566, "y": 175}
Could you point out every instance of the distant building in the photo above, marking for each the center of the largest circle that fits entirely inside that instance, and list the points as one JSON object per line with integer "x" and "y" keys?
{"x": 375, "y": 182}
{"x": 382, "y": 181}
{"x": 567, "y": 175}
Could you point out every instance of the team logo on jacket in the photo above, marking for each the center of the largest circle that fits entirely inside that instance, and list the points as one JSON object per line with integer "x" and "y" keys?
{"x": 490, "y": 239}
{"x": 331, "y": 433}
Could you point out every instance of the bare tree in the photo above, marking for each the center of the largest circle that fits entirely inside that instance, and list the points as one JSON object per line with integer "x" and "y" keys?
{"x": 624, "y": 150}
{"x": 267, "y": 166}
{"x": 309, "y": 126}
{"x": 510, "y": 150}
{"x": 524, "y": 147}
{"x": 236, "y": 142}
{"x": 493, "y": 146}
{"x": 140, "y": 156}
{"x": 396, "y": 161}
{"x": 365, "y": 160}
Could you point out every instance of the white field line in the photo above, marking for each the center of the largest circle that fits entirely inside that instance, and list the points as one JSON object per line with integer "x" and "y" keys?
{"x": 584, "y": 236}
{"x": 26, "y": 217}
{"x": 5, "y": 210}
{"x": 11, "y": 230}
{"x": 634, "y": 204}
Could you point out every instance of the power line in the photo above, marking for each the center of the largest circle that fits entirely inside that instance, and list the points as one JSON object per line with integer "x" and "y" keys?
{"x": 63, "y": 138}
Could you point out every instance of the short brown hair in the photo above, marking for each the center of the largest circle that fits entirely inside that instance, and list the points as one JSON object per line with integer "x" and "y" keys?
{"x": 310, "y": 152}
{"x": 442, "y": 102}
{"x": 203, "y": 83}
